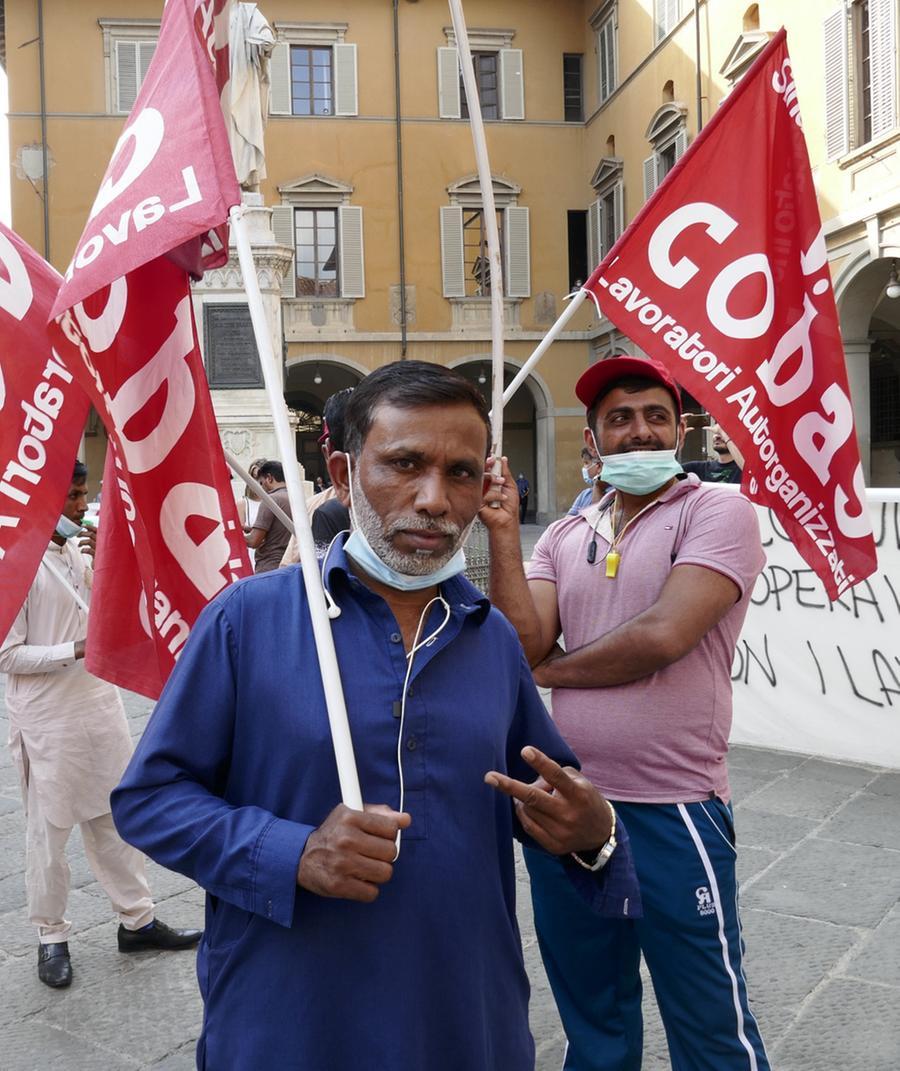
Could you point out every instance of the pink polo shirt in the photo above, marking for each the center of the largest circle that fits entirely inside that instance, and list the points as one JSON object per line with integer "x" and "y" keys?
{"x": 661, "y": 739}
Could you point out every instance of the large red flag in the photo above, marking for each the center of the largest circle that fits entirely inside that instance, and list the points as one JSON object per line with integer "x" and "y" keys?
{"x": 171, "y": 179}
{"x": 169, "y": 533}
{"x": 42, "y": 415}
{"x": 723, "y": 276}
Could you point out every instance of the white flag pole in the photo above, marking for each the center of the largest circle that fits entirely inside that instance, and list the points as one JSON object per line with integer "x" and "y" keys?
{"x": 331, "y": 679}
{"x": 545, "y": 343}
{"x": 264, "y": 495}
{"x": 70, "y": 588}
{"x": 490, "y": 225}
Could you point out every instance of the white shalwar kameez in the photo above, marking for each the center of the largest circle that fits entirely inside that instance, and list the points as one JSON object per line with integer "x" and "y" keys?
{"x": 69, "y": 738}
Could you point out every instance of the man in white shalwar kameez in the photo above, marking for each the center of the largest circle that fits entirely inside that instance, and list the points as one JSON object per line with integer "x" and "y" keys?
{"x": 69, "y": 739}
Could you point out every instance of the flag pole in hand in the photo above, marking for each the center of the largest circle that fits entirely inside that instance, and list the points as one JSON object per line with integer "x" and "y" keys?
{"x": 312, "y": 578}
{"x": 490, "y": 225}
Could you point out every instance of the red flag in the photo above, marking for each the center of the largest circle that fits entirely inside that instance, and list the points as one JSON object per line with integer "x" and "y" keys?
{"x": 169, "y": 536}
{"x": 141, "y": 366}
{"x": 42, "y": 415}
{"x": 723, "y": 276}
{"x": 171, "y": 178}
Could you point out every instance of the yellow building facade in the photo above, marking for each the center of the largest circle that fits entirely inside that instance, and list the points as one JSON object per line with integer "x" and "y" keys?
{"x": 378, "y": 212}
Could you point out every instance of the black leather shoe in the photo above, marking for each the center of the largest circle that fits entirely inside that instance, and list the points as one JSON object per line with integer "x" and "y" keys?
{"x": 157, "y": 935}
{"x": 54, "y": 965}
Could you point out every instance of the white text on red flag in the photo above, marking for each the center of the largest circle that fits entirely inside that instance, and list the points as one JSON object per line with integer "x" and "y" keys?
{"x": 171, "y": 178}
{"x": 42, "y": 416}
{"x": 723, "y": 276}
{"x": 140, "y": 364}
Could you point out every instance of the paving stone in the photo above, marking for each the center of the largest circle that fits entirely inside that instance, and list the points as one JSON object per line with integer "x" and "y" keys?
{"x": 13, "y": 822}
{"x": 9, "y": 804}
{"x": 180, "y": 911}
{"x": 746, "y": 783}
{"x": 655, "y": 1045}
{"x": 804, "y": 797}
{"x": 868, "y": 819}
{"x": 32, "y": 1044}
{"x": 550, "y": 1039}
{"x": 758, "y": 828}
{"x": 12, "y": 855}
{"x": 147, "y": 1013}
{"x": 137, "y": 725}
{"x": 847, "y": 1026}
{"x": 18, "y": 936}
{"x": 183, "y": 1059}
{"x": 165, "y": 883}
{"x": 855, "y": 885}
{"x": 886, "y": 784}
{"x": 24, "y": 994}
{"x": 751, "y": 861}
{"x": 763, "y": 760}
{"x": 12, "y": 892}
{"x": 877, "y": 958}
{"x": 786, "y": 959}
{"x": 843, "y": 773}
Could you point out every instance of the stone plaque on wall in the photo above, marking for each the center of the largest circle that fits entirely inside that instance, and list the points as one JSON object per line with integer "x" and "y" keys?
{"x": 230, "y": 348}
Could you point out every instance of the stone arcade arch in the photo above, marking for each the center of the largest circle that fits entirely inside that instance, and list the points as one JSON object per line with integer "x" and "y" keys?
{"x": 870, "y": 327}
{"x": 529, "y": 430}
{"x": 303, "y": 394}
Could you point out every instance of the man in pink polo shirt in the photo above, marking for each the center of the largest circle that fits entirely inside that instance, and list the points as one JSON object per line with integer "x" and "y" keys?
{"x": 648, "y": 589}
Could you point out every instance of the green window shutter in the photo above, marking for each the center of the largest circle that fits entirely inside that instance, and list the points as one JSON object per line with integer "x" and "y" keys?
{"x": 512, "y": 84}
{"x": 594, "y": 231}
{"x": 350, "y": 236}
{"x": 280, "y": 80}
{"x": 837, "y": 101}
{"x": 517, "y": 269}
{"x": 883, "y": 65}
{"x": 448, "y": 83}
{"x": 452, "y": 265}
{"x": 345, "y": 98}
{"x": 126, "y": 75}
{"x": 650, "y": 179}
{"x": 283, "y": 228}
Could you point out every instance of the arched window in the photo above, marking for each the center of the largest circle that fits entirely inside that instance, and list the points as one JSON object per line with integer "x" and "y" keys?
{"x": 668, "y": 136}
{"x": 606, "y": 216}
{"x": 464, "y": 256}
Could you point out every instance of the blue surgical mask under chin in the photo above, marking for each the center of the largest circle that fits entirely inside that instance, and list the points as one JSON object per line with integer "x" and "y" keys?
{"x": 360, "y": 550}
{"x": 67, "y": 528}
{"x": 640, "y": 472}
{"x": 586, "y": 476}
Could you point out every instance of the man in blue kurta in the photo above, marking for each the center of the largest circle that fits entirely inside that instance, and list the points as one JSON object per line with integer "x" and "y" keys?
{"x": 325, "y": 949}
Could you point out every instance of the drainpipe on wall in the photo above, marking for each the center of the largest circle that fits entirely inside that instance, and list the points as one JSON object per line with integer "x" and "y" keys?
{"x": 699, "y": 81}
{"x": 399, "y": 130}
{"x": 45, "y": 163}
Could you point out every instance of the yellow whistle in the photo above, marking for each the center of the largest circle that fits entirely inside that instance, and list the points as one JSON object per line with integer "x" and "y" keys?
{"x": 612, "y": 564}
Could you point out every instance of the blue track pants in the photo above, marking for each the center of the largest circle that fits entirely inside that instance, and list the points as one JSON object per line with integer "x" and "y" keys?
{"x": 690, "y": 937}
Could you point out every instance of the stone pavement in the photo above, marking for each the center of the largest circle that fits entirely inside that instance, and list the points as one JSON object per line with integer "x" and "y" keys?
{"x": 820, "y": 867}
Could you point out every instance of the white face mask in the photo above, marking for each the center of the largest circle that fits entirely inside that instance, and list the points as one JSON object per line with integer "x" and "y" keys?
{"x": 67, "y": 528}
{"x": 639, "y": 472}
{"x": 367, "y": 528}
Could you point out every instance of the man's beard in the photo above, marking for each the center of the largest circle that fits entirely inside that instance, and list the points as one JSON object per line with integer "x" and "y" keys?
{"x": 380, "y": 537}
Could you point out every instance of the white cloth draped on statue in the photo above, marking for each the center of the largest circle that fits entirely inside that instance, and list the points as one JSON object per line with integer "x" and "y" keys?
{"x": 251, "y": 41}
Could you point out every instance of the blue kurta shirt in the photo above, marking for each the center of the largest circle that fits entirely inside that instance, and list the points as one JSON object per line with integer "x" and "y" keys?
{"x": 236, "y": 769}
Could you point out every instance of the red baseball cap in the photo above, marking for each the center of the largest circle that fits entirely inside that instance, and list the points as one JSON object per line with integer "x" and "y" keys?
{"x": 604, "y": 373}
{"x": 323, "y": 438}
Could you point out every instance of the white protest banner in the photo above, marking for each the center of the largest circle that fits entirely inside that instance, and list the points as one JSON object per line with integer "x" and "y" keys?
{"x": 816, "y": 676}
